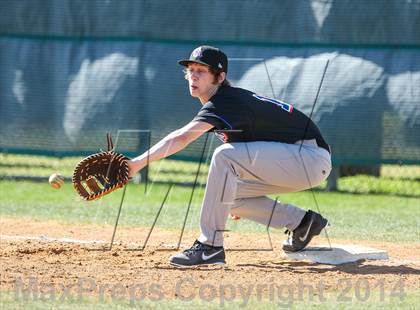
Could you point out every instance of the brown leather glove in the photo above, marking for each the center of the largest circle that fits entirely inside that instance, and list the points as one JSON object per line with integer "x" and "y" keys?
{"x": 100, "y": 174}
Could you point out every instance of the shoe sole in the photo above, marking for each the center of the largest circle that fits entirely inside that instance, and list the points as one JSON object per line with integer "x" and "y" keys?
{"x": 189, "y": 266}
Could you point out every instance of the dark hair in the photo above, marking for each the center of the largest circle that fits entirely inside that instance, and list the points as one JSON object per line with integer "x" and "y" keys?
{"x": 216, "y": 74}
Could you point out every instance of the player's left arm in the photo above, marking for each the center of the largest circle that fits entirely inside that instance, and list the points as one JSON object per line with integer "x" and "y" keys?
{"x": 171, "y": 144}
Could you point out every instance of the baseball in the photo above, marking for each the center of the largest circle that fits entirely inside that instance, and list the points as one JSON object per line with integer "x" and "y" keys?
{"x": 56, "y": 180}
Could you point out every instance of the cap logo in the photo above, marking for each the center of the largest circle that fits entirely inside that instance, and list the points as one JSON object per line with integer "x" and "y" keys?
{"x": 220, "y": 65}
{"x": 196, "y": 53}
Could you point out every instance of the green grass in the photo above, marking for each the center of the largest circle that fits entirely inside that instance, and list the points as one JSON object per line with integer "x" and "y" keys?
{"x": 42, "y": 166}
{"x": 366, "y": 207}
{"x": 353, "y": 216}
{"x": 396, "y": 180}
{"x": 363, "y": 184}
{"x": 285, "y": 300}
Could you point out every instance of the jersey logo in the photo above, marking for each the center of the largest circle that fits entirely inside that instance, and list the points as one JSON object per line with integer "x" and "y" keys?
{"x": 285, "y": 106}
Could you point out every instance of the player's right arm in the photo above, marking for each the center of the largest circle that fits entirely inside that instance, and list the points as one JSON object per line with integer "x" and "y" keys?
{"x": 171, "y": 144}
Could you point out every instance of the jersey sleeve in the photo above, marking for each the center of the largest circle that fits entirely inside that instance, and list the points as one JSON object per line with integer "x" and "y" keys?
{"x": 209, "y": 115}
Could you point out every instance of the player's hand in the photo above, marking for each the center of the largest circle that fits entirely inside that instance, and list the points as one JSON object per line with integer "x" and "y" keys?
{"x": 132, "y": 168}
{"x": 234, "y": 217}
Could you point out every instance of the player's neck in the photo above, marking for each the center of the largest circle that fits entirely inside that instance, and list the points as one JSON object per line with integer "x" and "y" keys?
{"x": 205, "y": 98}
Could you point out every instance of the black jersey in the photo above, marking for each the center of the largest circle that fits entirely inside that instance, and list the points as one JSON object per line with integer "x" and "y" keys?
{"x": 239, "y": 115}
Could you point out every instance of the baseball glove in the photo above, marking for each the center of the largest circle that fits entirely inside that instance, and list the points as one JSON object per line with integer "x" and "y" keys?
{"x": 100, "y": 174}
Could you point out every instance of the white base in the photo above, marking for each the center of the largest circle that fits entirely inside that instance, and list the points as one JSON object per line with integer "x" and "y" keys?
{"x": 338, "y": 254}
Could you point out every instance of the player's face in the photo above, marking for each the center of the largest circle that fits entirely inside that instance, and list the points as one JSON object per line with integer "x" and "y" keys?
{"x": 200, "y": 80}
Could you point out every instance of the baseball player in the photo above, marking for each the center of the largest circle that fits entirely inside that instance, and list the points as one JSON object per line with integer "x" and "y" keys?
{"x": 268, "y": 147}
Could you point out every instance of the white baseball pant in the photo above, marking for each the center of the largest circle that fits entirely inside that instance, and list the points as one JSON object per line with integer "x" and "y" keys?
{"x": 242, "y": 174}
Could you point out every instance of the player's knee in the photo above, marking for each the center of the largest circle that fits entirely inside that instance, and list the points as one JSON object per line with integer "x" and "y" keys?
{"x": 222, "y": 152}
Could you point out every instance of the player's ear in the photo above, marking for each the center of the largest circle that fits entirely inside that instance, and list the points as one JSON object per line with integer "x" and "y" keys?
{"x": 222, "y": 77}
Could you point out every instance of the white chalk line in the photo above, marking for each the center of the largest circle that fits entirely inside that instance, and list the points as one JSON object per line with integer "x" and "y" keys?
{"x": 51, "y": 239}
{"x": 44, "y": 238}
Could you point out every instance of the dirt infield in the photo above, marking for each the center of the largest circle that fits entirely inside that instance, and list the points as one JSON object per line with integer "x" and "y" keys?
{"x": 66, "y": 264}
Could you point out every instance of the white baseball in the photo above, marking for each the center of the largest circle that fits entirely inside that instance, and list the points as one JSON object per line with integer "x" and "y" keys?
{"x": 56, "y": 180}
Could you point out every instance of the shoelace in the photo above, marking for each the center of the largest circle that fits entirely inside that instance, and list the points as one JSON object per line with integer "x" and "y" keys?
{"x": 195, "y": 247}
{"x": 289, "y": 235}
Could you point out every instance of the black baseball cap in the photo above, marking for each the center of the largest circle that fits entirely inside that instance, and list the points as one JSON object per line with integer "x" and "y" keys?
{"x": 208, "y": 56}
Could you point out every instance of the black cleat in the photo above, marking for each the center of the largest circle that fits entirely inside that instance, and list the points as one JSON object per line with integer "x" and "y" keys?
{"x": 311, "y": 225}
{"x": 199, "y": 254}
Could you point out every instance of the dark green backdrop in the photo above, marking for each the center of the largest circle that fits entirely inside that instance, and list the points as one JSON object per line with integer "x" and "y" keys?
{"x": 70, "y": 70}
